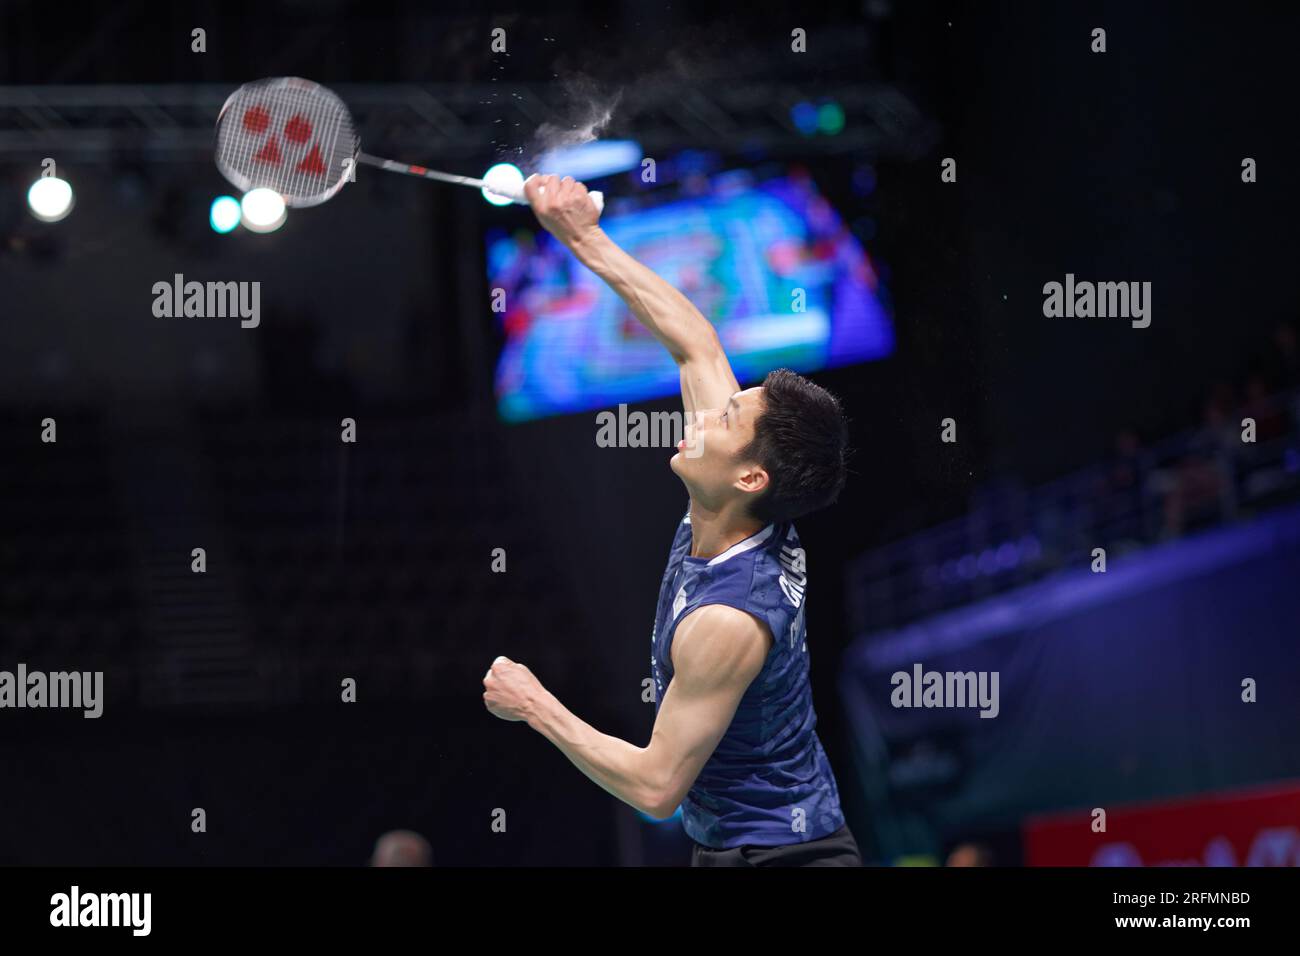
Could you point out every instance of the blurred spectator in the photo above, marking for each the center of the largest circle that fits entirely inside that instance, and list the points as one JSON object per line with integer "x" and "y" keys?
{"x": 970, "y": 854}
{"x": 402, "y": 848}
{"x": 1200, "y": 485}
{"x": 1285, "y": 372}
{"x": 1121, "y": 490}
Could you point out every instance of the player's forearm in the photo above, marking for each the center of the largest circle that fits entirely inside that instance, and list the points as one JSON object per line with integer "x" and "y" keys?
{"x": 666, "y": 312}
{"x": 618, "y": 767}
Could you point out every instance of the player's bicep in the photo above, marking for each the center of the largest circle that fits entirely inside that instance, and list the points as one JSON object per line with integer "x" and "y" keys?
{"x": 717, "y": 653}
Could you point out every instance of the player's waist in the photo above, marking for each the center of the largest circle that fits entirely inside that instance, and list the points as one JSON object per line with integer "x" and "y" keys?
{"x": 794, "y": 818}
{"x": 742, "y": 775}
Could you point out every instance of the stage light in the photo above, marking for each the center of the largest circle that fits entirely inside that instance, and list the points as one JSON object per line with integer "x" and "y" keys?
{"x": 804, "y": 117}
{"x": 505, "y": 176}
{"x": 830, "y": 118}
{"x": 263, "y": 210}
{"x": 225, "y": 213}
{"x": 1008, "y": 556}
{"x": 50, "y": 199}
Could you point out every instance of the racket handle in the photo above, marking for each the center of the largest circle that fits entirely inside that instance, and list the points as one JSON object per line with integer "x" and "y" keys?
{"x": 597, "y": 197}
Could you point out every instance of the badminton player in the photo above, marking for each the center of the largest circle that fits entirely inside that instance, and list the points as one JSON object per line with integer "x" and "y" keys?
{"x": 733, "y": 743}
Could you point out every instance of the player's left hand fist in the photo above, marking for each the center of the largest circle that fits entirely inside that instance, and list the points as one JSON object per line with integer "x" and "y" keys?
{"x": 563, "y": 206}
{"x": 511, "y": 692}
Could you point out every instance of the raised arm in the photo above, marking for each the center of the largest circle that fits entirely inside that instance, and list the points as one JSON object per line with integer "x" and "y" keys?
{"x": 563, "y": 207}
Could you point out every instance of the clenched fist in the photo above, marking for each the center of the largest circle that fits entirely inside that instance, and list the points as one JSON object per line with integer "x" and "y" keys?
{"x": 511, "y": 692}
{"x": 563, "y": 207}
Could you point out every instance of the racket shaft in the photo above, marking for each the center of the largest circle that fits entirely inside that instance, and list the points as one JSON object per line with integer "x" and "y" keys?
{"x": 408, "y": 169}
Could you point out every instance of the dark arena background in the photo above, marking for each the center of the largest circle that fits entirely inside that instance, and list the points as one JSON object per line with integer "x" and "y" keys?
{"x": 293, "y": 534}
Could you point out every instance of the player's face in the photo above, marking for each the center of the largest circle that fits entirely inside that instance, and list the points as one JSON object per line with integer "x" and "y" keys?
{"x": 708, "y": 458}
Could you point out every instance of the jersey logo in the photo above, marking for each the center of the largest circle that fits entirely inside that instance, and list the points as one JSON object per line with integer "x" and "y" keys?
{"x": 794, "y": 577}
{"x": 679, "y": 602}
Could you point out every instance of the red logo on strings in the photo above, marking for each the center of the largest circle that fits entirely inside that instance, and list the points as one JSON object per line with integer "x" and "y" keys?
{"x": 298, "y": 130}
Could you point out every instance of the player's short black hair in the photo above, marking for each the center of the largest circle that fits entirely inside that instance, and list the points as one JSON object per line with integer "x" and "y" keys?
{"x": 801, "y": 439}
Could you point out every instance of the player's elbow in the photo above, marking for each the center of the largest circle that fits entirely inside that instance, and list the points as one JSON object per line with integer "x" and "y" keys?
{"x": 665, "y": 797}
{"x": 659, "y": 794}
{"x": 661, "y": 806}
{"x": 701, "y": 346}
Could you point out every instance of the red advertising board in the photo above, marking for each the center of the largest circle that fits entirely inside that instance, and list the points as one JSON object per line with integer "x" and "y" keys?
{"x": 1256, "y": 827}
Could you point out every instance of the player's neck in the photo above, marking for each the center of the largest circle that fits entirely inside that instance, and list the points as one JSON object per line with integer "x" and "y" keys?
{"x": 713, "y": 532}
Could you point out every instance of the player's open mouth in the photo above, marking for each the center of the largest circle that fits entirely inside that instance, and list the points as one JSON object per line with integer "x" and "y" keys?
{"x": 681, "y": 445}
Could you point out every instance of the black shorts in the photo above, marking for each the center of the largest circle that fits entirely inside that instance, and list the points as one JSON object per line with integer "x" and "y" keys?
{"x": 838, "y": 849}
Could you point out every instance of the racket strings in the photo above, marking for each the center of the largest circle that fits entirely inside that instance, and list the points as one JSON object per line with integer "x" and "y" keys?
{"x": 288, "y": 137}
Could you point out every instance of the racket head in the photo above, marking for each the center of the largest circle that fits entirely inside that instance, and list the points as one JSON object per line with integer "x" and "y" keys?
{"x": 288, "y": 134}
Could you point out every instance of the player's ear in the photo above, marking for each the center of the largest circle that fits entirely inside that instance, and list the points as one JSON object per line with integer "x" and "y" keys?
{"x": 752, "y": 479}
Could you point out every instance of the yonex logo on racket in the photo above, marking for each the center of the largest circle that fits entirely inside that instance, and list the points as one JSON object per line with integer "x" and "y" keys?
{"x": 297, "y": 132}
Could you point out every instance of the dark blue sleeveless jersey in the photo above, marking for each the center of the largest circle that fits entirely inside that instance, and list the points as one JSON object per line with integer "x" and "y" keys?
{"x": 768, "y": 782}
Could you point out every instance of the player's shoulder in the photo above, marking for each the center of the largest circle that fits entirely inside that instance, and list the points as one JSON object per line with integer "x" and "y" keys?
{"x": 720, "y": 637}
{"x": 718, "y": 618}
